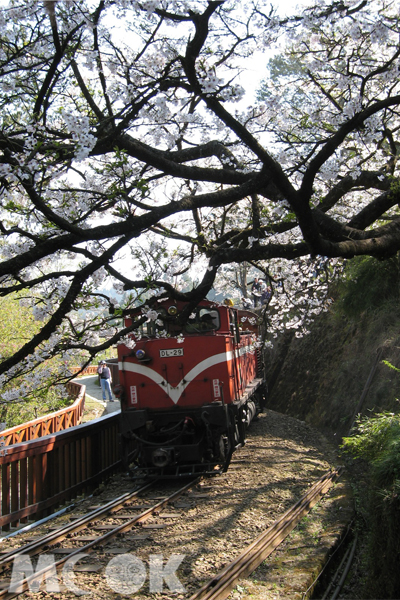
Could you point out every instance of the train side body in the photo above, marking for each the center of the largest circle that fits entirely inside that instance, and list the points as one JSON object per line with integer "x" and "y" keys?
{"x": 187, "y": 398}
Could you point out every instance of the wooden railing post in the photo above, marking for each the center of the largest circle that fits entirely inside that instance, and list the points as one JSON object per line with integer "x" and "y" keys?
{"x": 5, "y": 492}
{"x": 23, "y": 486}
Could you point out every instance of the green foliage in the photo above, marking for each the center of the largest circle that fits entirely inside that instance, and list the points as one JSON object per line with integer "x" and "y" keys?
{"x": 47, "y": 402}
{"x": 17, "y": 326}
{"x": 367, "y": 284}
{"x": 388, "y": 364}
{"x": 378, "y": 441}
{"x": 283, "y": 71}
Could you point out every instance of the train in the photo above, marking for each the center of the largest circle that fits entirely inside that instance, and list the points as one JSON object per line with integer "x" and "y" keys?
{"x": 191, "y": 379}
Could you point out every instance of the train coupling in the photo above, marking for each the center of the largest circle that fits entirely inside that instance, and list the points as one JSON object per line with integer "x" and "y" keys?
{"x": 162, "y": 457}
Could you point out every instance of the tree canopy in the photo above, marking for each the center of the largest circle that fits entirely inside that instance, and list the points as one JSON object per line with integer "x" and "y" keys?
{"x": 39, "y": 392}
{"x": 131, "y": 150}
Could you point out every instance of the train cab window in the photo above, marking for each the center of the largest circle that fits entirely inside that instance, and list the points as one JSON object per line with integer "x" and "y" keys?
{"x": 153, "y": 327}
{"x": 202, "y": 320}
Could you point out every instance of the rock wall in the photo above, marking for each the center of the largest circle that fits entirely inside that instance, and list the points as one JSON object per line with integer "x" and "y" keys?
{"x": 323, "y": 377}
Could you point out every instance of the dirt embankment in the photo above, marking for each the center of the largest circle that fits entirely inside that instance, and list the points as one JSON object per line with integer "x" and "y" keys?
{"x": 337, "y": 370}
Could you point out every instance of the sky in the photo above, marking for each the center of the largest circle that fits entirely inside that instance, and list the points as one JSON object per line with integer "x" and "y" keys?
{"x": 287, "y": 7}
{"x": 255, "y": 71}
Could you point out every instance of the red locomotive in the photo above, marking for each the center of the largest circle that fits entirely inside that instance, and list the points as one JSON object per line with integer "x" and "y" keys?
{"x": 189, "y": 386}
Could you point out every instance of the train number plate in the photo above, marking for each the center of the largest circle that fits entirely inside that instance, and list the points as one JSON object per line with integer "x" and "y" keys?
{"x": 171, "y": 352}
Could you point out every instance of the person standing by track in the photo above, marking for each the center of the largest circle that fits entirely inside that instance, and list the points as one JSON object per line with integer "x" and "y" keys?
{"x": 105, "y": 380}
{"x": 256, "y": 292}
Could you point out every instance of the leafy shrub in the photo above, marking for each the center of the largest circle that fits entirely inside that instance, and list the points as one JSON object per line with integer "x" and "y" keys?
{"x": 378, "y": 441}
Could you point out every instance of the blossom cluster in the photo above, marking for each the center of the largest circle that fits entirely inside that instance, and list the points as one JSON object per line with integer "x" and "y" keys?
{"x": 130, "y": 134}
{"x": 79, "y": 128}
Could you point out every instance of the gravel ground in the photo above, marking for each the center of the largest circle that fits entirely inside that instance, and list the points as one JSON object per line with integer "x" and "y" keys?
{"x": 212, "y": 524}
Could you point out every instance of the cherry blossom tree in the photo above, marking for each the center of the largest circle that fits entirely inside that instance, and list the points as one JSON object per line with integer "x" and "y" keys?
{"x": 132, "y": 150}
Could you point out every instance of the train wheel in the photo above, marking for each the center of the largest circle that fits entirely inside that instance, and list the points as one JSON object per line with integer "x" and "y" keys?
{"x": 223, "y": 447}
{"x": 261, "y": 397}
{"x": 124, "y": 448}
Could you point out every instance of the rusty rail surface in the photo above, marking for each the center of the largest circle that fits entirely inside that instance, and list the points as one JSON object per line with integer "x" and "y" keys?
{"x": 220, "y": 586}
{"x": 51, "y": 423}
{"x": 39, "y": 475}
{"x": 38, "y": 546}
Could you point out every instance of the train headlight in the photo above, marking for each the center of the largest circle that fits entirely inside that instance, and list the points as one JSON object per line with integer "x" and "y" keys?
{"x": 140, "y": 354}
{"x": 172, "y": 311}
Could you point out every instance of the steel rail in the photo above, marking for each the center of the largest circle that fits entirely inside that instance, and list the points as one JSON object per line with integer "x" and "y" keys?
{"x": 54, "y": 537}
{"x": 348, "y": 561}
{"x": 219, "y": 587}
{"x": 25, "y": 583}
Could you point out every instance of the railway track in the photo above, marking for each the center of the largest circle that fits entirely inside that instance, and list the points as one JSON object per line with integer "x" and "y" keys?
{"x": 214, "y": 524}
{"x": 219, "y": 587}
{"x": 339, "y": 577}
{"x": 117, "y": 525}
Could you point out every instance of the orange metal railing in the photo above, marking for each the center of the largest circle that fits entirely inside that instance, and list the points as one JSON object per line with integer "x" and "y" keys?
{"x": 90, "y": 370}
{"x": 51, "y": 423}
{"x": 51, "y": 460}
{"x": 39, "y": 475}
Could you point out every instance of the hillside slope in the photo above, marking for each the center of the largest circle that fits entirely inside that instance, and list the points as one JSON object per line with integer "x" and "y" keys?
{"x": 336, "y": 371}
{"x": 322, "y": 376}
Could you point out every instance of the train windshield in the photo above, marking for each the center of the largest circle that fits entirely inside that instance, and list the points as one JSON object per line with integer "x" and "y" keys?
{"x": 202, "y": 320}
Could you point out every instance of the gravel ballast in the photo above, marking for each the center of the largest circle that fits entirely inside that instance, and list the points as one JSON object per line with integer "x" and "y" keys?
{"x": 211, "y": 524}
